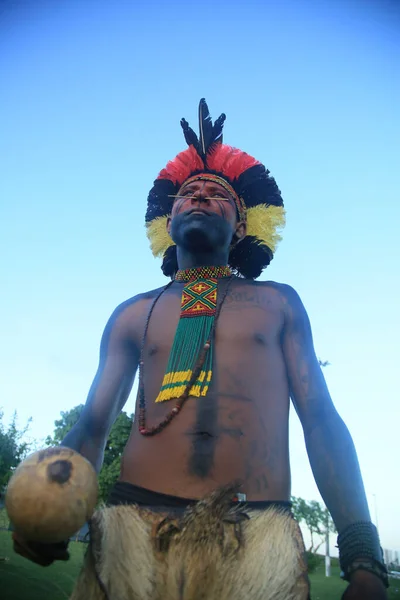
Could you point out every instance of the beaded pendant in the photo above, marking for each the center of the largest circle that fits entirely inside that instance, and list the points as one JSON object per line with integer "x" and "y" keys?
{"x": 198, "y": 308}
{"x": 194, "y": 380}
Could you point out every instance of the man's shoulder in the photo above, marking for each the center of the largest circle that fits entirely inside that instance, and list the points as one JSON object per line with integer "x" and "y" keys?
{"x": 283, "y": 292}
{"x": 136, "y": 305}
{"x": 144, "y": 296}
{"x": 279, "y": 287}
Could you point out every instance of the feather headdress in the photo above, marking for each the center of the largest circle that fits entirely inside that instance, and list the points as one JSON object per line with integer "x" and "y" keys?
{"x": 255, "y": 192}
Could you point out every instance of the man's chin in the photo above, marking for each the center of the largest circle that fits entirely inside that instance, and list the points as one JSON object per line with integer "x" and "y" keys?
{"x": 197, "y": 241}
{"x": 196, "y": 237}
{"x": 198, "y": 232}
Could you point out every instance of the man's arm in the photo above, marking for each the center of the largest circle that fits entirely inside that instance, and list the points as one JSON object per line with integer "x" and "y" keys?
{"x": 332, "y": 456}
{"x": 119, "y": 357}
{"x": 329, "y": 444}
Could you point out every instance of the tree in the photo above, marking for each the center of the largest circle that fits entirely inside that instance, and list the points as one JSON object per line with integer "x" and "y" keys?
{"x": 12, "y": 448}
{"x": 64, "y": 425}
{"x": 323, "y": 363}
{"x": 314, "y": 515}
{"x": 116, "y": 443}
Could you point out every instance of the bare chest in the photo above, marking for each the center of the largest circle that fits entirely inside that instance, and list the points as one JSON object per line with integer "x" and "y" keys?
{"x": 246, "y": 408}
{"x": 249, "y": 324}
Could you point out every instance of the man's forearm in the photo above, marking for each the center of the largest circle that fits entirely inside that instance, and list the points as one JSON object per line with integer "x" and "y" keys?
{"x": 81, "y": 439}
{"x": 336, "y": 470}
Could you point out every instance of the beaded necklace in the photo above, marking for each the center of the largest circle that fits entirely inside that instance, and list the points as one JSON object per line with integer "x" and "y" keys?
{"x": 197, "y": 378}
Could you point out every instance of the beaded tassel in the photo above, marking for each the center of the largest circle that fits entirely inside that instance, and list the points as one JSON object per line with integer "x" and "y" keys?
{"x": 144, "y": 429}
{"x": 198, "y": 307}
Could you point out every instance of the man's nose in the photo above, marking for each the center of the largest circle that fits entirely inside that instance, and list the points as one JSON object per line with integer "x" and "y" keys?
{"x": 200, "y": 196}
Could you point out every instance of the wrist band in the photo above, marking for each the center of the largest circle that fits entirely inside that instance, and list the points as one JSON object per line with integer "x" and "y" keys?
{"x": 359, "y": 548}
{"x": 372, "y": 567}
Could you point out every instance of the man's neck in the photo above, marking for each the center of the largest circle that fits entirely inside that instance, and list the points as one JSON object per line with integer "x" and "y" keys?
{"x": 187, "y": 260}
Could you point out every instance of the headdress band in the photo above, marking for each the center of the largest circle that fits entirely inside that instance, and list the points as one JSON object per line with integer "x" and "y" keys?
{"x": 223, "y": 183}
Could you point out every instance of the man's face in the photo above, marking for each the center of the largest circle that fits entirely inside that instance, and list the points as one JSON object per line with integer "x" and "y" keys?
{"x": 204, "y": 217}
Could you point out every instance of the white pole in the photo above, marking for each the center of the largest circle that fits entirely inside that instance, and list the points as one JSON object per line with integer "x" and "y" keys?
{"x": 327, "y": 556}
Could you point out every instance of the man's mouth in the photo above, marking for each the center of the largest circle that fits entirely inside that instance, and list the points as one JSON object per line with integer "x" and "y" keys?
{"x": 197, "y": 211}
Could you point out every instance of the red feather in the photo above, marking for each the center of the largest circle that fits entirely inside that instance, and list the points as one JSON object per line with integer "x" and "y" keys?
{"x": 230, "y": 161}
{"x": 183, "y": 165}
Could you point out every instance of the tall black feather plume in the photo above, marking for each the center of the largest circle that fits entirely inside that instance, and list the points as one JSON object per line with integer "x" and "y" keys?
{"x": 205, "y": 128}
{"x": 190, "y": 136}
{"x": 209, "y": 134}
{"x": 217, "y": 129}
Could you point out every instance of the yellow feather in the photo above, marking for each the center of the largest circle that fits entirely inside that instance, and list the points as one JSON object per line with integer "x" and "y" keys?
{"x": 264, "y": 222}
{"x": 160, "y": 240}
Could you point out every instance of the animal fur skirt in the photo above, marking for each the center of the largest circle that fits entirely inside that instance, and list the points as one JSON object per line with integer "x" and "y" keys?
{"x": 212, "y": 551}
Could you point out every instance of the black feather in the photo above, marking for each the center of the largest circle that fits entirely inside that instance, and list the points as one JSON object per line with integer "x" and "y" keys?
{"x": 249, "y": 258}
{"x": 256, "y": 186}
{"x": 159, "y": 202}
{"x": 205, "y": 128}
{"x": 170, "y": 262}
{"x": 190, "y": 136}
{"x": 209, "y": 134}
{"x": 217, "y": 129}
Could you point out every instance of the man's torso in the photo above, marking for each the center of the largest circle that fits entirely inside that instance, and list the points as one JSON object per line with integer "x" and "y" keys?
{"x": 239, "y": 431}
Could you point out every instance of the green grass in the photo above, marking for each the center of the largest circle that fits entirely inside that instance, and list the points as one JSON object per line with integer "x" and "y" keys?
{"x": 332, "y": 588}
{"x": 23, "y": 580}
{"x": 4, "y": 520}
{"x": 323, "y": 588}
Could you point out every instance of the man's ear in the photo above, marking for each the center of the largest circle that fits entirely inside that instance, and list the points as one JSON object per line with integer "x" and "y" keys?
{"x": 240, "y": 232}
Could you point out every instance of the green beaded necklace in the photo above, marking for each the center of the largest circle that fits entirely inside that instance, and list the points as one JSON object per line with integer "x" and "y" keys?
{"x": 185, "y": 375}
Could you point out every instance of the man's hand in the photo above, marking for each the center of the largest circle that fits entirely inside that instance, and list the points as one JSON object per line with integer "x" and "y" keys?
{"x": 365, "y": 586}
{"x": 41, "y": 554}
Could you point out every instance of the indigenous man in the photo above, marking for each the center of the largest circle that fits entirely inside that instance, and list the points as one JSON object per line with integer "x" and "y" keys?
{"x": 201, "y": 508}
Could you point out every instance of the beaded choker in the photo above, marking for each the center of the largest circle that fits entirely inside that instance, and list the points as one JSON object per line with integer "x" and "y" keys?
{"x": 203, "y": 273}
{"x": 189, "y": 368}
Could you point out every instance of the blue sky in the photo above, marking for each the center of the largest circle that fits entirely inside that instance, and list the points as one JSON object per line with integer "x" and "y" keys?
{"x": 92, "y": 94}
